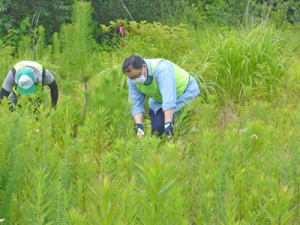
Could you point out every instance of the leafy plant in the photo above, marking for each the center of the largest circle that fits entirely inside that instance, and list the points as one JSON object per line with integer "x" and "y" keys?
{"x": 279, "y": 207}
{"x": 154, "y": 197}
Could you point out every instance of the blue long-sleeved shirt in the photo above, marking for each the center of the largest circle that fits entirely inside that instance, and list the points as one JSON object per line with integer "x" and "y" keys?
{"x": 164, "y": 75}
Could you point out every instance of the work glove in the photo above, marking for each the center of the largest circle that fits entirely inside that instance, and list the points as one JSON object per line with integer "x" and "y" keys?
{"x": 140, "y": 130}
{"x": 168, "y": 129}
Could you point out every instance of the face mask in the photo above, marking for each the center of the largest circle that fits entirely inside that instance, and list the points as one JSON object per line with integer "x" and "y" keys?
{"x": 139, "y": 80}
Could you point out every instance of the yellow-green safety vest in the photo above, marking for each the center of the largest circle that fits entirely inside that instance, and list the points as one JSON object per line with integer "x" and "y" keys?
{"x": 40, "y": 68}
{"x": 182, "y": 79}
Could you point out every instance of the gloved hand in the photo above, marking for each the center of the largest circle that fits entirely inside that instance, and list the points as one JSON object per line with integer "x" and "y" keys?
{"x": 140, "y": 130}
{"x": 168, "y": 129}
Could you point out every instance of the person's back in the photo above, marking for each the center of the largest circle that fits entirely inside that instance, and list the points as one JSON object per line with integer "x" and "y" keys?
{"x": 28, "y": 78}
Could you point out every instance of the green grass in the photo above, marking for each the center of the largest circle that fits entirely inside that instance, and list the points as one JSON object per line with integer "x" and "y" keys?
{"x": 237, "y": 164}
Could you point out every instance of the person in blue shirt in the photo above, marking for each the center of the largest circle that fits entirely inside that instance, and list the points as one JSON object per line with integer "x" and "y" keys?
{"x": 168, "y": 86}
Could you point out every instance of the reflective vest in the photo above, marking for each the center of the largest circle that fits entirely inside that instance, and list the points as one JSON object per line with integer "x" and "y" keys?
{"x": 40, "y": 68}
{"x": 182, "y": 79}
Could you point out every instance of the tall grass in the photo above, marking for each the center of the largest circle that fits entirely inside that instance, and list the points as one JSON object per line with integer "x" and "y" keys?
{"x": 249, "y": 59}
{"x": 233, "y": 159}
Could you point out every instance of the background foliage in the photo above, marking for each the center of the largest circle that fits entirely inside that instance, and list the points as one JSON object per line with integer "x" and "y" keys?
{"x": 19, "y": 17}
{"x": 237, "y": 163}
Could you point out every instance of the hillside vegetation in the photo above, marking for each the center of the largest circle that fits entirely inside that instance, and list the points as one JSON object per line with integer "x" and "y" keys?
{"x": 234, "y": 157}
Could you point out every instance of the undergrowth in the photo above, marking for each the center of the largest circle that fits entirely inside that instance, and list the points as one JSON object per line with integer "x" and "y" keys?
{"x": 233, "y": 158}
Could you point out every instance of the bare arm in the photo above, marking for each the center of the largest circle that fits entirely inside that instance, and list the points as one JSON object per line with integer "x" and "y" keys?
{"x": 169, "y": 115}
{"x": 138, "y": 118}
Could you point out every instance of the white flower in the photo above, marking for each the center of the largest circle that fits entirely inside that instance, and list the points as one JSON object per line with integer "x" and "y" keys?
{"x": 243, "y": 130}
{"x": 254, "y": 135}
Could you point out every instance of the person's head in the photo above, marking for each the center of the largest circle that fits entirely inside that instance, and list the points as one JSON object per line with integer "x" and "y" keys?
{"x": 135, "y": 69}
{"x": 26, "y": 82}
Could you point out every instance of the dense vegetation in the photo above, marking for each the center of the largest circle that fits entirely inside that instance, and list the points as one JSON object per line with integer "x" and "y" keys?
{"x": 19, "y": 17}
{"x": 81, "y": 163}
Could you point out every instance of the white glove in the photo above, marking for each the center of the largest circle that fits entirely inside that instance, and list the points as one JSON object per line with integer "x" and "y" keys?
{"x": 140, "y": 133}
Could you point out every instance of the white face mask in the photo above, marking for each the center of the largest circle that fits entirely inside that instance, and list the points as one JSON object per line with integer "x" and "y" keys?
{"x": 140, "y": 80}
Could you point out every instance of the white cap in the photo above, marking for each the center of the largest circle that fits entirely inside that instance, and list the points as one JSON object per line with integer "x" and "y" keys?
{"x": 25, "y": 82}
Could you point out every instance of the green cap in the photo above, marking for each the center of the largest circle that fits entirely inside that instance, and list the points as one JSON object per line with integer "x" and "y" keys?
{"x": 26, "y": 82}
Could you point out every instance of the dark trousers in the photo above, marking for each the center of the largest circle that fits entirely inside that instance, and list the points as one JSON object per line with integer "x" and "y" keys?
{"x": 158, "y": 121}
